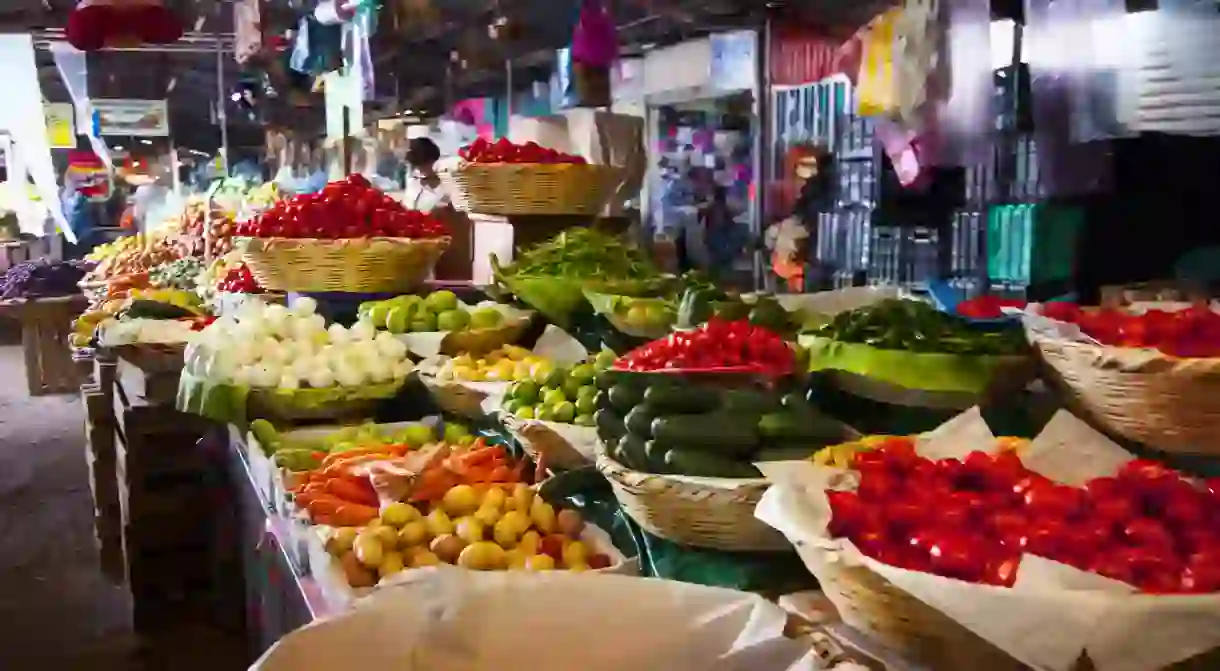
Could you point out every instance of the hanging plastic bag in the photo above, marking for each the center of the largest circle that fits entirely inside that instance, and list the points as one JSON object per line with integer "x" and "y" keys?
{"x": 965, "y": 117}
{"x": 875, "y": 81}
{"x": 594, "y": 50}
{"x": 918, "y": 71}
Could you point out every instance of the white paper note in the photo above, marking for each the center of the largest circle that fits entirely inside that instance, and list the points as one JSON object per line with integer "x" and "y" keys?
{"x": 958, "y": 437}
{"x": 1071, "y": 452}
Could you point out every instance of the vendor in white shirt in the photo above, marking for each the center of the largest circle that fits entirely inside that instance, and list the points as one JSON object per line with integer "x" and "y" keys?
{"x": 424, "y": 189}
{"x": 426, "y": 193}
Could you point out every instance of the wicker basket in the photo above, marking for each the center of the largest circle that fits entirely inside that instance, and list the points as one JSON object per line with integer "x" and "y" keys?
{"x": 1166, "y": 403}
{"x": 531, "y": 188}
{"x": 900, "y": 622}
{"x": 715, "y": 513}
{"x": 478, "y": 342}
{"x": 354, "y": 265}
{"x": 304, "y": 404}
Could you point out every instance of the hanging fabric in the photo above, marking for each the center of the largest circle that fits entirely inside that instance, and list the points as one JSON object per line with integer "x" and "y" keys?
{"x": 594, "y": 50}
{"x": 875, "y": 82}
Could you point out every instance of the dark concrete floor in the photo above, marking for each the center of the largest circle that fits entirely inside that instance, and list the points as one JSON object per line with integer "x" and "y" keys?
{"x": 57, "y": 608}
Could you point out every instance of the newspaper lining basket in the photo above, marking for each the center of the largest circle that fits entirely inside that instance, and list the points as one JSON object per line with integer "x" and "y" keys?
{"x": 532, "y": 188}
{"x": 351, "y": 265}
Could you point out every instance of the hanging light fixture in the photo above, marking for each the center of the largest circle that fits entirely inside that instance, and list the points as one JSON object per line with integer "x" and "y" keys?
{"x": 97, "y": 24}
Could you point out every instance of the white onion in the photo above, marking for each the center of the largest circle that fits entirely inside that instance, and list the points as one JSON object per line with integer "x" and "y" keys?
{"x": 320, "y": 378}
{"x": 289, "y": 381}
{"x": 304, "y": 306}
{"x": 338, "y": 334}
{"x": 363, "y": 331}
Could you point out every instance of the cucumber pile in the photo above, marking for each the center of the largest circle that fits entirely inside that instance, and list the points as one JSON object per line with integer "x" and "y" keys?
{"x": 658, "y": 423}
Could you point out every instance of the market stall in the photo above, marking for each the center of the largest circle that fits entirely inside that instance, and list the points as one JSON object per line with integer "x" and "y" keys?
{"x": 587, "y": 413}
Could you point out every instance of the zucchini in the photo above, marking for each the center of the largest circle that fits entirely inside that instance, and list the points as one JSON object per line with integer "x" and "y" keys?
{"x": 633, "y": 454}
{"x": 749, "y": 401}
{"x": 623, "y": 397}
{"x": 639, "y": 421}
{"x": 694, "y": 462}
{"x": 731, "y": 434}
{"x": 145, "y": 309}
{"x": 806, "y": 427}
{"x": 609, "y": 425}
{"x": 656, "y": 456}
{"x": 681, "y": 400}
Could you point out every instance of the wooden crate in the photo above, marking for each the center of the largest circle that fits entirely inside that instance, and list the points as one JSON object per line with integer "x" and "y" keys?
{"x": 100, "y": 459}
{"x": 46, "y": 324}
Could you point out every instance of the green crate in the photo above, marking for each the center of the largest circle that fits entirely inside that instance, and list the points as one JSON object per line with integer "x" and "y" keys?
{"x": 1032, "y": 244}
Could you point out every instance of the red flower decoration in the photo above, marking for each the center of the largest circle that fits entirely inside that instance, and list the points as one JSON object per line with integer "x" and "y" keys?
{"x": 96, "y": 24}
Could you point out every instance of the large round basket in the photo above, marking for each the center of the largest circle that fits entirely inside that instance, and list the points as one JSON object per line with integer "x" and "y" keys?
{"x": 911, "y": 628}
{"x": 316, "y": 404}
{"x": 532, "y": 188}
{"x": 480, "y": 341}
{"x": 1164, "y": 402}
{"x": 353, "y": 265}
{"x": 715, "y": 513}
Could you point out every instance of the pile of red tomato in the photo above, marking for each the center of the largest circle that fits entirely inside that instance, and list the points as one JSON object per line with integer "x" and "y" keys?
{"x": 988, "y": 307}
{"x": 349, "y": 208}
{"x": 503, "y": 151}
{"x": 239, "y": 280}
{"x": 1193, "y": 332}
{"x": 972, "y": 519}
{"x": 718, "y": 345}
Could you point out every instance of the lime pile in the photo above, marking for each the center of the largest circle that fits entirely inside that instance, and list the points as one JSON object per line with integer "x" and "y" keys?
{"x": 438, "y": 311}
{"x": 567, "y": 396}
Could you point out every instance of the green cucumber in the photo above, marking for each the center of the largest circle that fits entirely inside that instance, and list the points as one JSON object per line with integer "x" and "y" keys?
{"x": 805, "y": 427}
{"x": 609, "y": 425}
{"x": 680, "y": 400}
{"x": 639, "y": 421}
{"x": 786, "y": 453}
{"x": 749, "y": 401}
{"x": 633, "y": 453}
{"x": 695, "y": 462}
{"x": 716, "y": 433}
{"x": 623, "y": 397}
{"x": 656, "y": 456}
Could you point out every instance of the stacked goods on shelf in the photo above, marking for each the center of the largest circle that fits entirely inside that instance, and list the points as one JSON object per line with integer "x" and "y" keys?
{"x": 908, "y": 353}
{"x": 294, "y": 366}
{"x": 684, "y": 419}
{"x": 1146, "y": 372}
{"x": 966, "y": 551}
{"x": 349, "y": 237}
{"x": 552, "y": 277}
{"x": 509, "y": 179}
{"x": 43, "y": 279}
{"x": 439, "y": 322}
{"x": 151, "y": 316}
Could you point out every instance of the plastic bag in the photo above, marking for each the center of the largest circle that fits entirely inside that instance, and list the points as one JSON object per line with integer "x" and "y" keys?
{"x": 875, "y": 81}
{"x": 964, "y": 115}
{"x": 594, "y": 42}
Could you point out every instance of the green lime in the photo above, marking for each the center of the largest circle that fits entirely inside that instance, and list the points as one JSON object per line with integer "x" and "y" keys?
{"x": 424, "y": 322}
{"x": 604, "y": 359}
{"x": 417, "y": 435}
{"x": 526, "y": 391}
{"x": 589, "y": 390}
{"x": 441, "y": 301}
{"x": 452, "y": 320}
{"x": 398, "y": 320}
{"x": 545, "y": 413}
{"x": 564, "y": 412}
{"x": 365, "y": 308}
{"x": 553, "y": 397}
{"x": 556, "y": 378}
{"x": 584, "y": 373}
{"x": 455, "y": 432}
{"x": 512, "y": 405}
{"x": 525, "y": 412}
{"x": 585, "y": 405}
{"x": 485, "y": 318}
{"x": 583, "y": 420}
{"x": 571, "y": 388}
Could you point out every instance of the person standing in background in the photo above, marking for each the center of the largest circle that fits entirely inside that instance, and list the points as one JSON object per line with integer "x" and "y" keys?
{"x": 426, "y": 193}
{"x": 723, "y": 237}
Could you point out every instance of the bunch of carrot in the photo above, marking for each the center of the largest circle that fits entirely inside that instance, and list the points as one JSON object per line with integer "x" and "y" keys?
{"x": 480, "y": 465}
{"x": 335, "y": 493}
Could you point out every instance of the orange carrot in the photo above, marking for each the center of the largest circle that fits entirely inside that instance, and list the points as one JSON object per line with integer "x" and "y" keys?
{"x": 354, "y": 515}
{"x": 480, "y": 456}
{"x": 349, "y": 491}
{"x": 347, "y": 454}
{"x": 500, "y": 474}
{"x": 342, "y": 466}
{"x": 325, "y": 504}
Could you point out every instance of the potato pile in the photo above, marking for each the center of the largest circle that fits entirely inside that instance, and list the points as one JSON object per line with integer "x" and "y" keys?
{"x": 492, "y": 529}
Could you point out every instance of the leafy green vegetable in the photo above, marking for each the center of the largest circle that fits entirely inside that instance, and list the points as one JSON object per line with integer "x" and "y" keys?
{"x": 915, "y": 326}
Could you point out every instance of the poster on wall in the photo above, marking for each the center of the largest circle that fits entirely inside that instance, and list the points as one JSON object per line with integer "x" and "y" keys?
{"x": 61, "y": 127}
{"x": 137, "y": 118}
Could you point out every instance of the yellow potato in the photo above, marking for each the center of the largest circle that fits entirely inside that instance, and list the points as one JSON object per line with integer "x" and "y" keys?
{"x": 543, "y": 516}
{"x": 341, "y": 541}
{"x": 412, "y": 533}
{"x": 397, "y": 514}
{"x": 470, "y": 529}
{"x": 438, "y": 523}
{"x": 368, "y": 550}
{"x": 391, "y": 563}
{"x": 483, "y": 556}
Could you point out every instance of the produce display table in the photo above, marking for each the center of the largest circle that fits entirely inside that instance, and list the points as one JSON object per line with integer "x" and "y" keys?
{"x": 280, "y": 594}
{"x": 45, "y": 326}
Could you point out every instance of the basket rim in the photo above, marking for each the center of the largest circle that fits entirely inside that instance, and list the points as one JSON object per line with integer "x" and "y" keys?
{"x": 539, "y": 167}
{"x": 1126, "y": 359}
{"x": 664, "y": 481}
{"x": 272, "y": 242}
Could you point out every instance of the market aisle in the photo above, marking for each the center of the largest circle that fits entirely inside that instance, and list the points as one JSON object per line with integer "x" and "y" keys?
{"x": 59, "y": 610}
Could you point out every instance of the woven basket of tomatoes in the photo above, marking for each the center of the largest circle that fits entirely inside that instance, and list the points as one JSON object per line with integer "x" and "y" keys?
{"x": 974, "y": 563}
{"x": 349, "y": 237}
{"x": 1149, "y": 373}
{"x": 509, "y": 179}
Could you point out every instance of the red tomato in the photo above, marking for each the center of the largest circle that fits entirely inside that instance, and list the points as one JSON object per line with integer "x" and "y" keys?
{"x": 956, "y": 556}
{"x": 1002, "y": 570}
{"x": 1054, "y": 501}
{"x": 1064, "y": 312}
{"x": 1148, "y": 533}
{"x": 1113, "y": 509}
